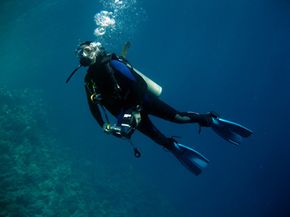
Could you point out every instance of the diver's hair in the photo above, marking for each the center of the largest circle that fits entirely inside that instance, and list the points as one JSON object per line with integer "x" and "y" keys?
{"x": 85, "y": 43}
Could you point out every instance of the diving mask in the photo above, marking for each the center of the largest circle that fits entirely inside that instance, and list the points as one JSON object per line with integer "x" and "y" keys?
{"x": 88, "y": 53}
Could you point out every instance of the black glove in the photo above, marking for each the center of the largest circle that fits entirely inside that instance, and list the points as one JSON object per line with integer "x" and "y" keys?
{"x": 96, "y": 98}
{"x": 112, "y": 130}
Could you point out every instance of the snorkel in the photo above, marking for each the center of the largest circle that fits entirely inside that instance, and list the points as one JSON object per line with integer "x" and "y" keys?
{"x": 73, "y": 72}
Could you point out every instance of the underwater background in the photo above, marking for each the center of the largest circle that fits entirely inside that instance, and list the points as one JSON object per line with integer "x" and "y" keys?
{"x": 232, "y": 57}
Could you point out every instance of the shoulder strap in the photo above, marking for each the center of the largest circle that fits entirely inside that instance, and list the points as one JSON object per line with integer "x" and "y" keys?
{"x": 117, "y": 89}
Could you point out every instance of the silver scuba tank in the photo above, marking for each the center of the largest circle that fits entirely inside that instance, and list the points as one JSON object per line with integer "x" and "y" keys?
{"x": 152, "y": 86}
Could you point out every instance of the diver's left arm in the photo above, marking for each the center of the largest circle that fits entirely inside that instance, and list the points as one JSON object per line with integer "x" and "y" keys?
{"x": 94, "y": 98}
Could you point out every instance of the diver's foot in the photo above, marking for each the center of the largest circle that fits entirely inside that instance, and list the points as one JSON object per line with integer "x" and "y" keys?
{"x": 204, "y": 120}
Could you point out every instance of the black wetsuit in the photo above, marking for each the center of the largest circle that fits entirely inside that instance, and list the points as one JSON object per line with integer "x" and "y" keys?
{"x": 121, "y": 89}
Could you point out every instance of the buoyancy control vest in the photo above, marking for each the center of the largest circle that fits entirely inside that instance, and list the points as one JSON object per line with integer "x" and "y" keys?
{"x": 110, "y": 63}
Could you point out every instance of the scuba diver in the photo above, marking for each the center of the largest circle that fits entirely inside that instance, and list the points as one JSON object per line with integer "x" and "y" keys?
{"x": 113, "y": 84}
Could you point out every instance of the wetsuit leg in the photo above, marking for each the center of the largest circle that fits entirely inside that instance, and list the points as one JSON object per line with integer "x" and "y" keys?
{"x": 146, "y": 127}
{"x": 154, "y": 106}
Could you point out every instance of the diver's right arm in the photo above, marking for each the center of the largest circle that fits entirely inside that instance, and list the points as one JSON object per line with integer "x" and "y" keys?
{"x": 94, "y": 99}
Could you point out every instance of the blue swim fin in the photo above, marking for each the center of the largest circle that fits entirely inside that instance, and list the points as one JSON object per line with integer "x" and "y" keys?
{"x": 189, "y": 158}
{"x": 230, "y": 131}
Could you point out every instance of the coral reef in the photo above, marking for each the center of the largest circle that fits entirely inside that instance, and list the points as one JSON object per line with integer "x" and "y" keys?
{"x": 37, "y": 179}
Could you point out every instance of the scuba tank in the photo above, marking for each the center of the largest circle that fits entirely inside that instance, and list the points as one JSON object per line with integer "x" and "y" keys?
{"x": 152, "y": 86}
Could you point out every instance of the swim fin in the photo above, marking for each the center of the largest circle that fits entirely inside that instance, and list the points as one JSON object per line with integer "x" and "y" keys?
{"x": 230, "y": 131}
{"x": 189, "y": 158}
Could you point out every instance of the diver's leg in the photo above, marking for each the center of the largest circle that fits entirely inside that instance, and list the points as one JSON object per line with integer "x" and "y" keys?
{"x": 147, "y": 128}
{"x": 190, "y": 158}
{"x": 204, "y": 120}
{"x": 159, "y": 108}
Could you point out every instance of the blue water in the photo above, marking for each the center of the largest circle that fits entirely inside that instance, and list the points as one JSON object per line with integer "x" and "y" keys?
{"x": 229, "y": 56}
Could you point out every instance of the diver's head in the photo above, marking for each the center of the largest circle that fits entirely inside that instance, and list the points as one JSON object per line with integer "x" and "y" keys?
{"x": 89, "y": 52}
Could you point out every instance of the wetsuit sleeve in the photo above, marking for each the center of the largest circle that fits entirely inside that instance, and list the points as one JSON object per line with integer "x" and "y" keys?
{"x": 94, "y": 108}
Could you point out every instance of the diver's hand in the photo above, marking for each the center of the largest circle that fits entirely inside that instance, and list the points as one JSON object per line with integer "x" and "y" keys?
{"x": 112, "y": 130}
{"x": 106, "y": 128}
{"x": 96, "y": 98}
